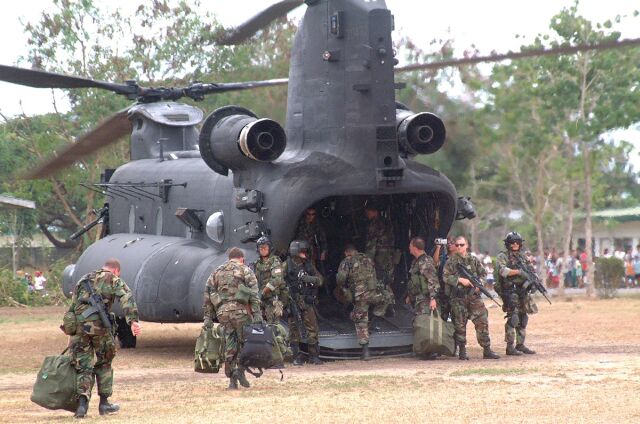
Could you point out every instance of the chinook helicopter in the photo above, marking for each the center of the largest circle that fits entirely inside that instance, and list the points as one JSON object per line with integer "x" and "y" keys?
{"x": 196, "y": 186}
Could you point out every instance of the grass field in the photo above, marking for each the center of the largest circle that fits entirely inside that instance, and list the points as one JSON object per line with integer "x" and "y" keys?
{"x": 587, "y": 370}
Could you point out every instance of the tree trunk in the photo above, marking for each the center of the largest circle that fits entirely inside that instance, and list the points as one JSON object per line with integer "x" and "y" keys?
{"x": 14, "y": 242}
{"x": 588, "y": 232}
{"x": 473, "y": 223}
{"x": 63, "y": 244}
{"x": 566, "y": 243}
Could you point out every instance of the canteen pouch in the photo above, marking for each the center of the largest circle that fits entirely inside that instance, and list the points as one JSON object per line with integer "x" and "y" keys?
{"x": 69, "y": 324}
{"x": 243, "y": 295}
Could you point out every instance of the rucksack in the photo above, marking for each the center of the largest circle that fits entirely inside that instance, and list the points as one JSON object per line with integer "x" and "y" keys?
{"x": 281, "y": 349}
{"x": 258, "y": 349}
{"x": 208, "y": 354}
{"x": 56, "y": 386}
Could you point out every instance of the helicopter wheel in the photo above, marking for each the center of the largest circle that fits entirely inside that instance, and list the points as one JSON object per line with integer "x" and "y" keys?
{"x": 124, "y": 334}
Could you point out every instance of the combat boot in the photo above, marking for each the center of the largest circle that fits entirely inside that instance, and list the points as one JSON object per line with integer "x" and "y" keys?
{"x": 83, "y": 405}
{"x": 365, "y": 356}
{"x": 489, "y": 354}
{"x": 107, "y": 408}
{"x": 462, "y": 352}
{"x": 242, "y": 378}
{"x": 511, "y": 351}
{"x": 233, "y": 383}
{"x": 522, "y": 348}
{"x": 314, "y": 355}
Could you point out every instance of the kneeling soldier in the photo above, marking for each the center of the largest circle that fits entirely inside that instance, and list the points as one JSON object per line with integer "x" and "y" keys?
{"x": 466, "y": 302}
{"x": 94, "y": 335}
{"x": 358, "y": 271}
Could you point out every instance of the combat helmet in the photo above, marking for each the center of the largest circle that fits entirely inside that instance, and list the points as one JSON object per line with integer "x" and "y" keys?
{"x": 298, "y": 246}
{"x": 262, "y": 241}
{"x": 512, "y": 237}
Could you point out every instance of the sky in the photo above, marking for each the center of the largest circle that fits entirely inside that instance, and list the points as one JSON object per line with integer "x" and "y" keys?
{"x": 487, "y": 24}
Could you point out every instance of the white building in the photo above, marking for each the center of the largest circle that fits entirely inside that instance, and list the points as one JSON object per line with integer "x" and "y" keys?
{"x": 613, "y": 229}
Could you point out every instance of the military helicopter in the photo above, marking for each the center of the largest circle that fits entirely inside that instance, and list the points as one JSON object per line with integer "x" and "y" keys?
{"x": 194, "y": 187}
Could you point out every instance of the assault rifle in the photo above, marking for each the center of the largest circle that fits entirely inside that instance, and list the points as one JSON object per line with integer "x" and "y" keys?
{"x": 464, "y": 272}
{"x": 532, "y": 282}
{"x": 97, "y": 305}
{"x": 102, "y": 216}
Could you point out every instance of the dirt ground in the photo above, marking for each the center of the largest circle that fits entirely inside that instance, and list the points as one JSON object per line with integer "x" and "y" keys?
{"x": 587, "y": 370}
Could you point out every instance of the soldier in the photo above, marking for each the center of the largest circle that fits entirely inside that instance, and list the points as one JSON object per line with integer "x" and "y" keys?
{"x": 303, "y": 281}
{"x": 516, "y": 301}
{"x": 423, "y": 279}
{"x": 466, "y": 303}
{"x": 231, "y": 295}
{"x": 380, "y": 246}
{"x": 358, "y": 271}
{"x": 271, "y": 283}
{"x": 310, "y": 230}
{"x": 93, "y": 336}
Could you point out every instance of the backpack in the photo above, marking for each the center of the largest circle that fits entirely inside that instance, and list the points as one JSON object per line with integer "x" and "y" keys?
{"x": 208, "y": 354}
{"x": 281, "y": 349}
{"x": 55, "y": 386}
{"x": 258, "y": 348}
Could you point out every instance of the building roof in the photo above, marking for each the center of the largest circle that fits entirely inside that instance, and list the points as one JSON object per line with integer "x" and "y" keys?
{"x": 13, "y": 202}
{"x": 626, "y": 214}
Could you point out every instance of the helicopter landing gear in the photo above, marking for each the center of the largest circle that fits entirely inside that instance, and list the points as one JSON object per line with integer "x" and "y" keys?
{"x": 124, "y": 334}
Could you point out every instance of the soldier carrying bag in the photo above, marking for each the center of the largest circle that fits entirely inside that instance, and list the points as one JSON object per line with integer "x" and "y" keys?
{"x": 208, "y": 354}
{"x": 433, "y": 335}
{"x": 55, "y": 386}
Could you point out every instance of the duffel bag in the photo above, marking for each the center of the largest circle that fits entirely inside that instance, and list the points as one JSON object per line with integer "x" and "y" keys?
{"x": 208, "y": 354}
{"x": 56, "y": 386}
{"x": 432, "y": 335}
{"x": 257, "y": 350}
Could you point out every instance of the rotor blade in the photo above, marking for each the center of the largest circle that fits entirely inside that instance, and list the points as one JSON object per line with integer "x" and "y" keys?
{"x": 244, "y": 31}
{"x": 560, "y": 50}
{"x": 107, "y": 132}
{"x": 247, "y": 85}
{"x": 44, "y": 79}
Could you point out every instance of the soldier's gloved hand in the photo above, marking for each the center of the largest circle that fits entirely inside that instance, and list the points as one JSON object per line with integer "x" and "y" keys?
{"x": 208, "y": 324}
{"x": 310, "y": 279}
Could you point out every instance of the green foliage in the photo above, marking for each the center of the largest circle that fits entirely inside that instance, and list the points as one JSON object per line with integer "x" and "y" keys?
{"x": 608, "y": 277}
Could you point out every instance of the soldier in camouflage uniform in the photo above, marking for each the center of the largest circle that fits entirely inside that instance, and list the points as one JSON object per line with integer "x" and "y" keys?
{"x": 423, "y": 279}
{"x": 231, "y": 295}
{"x": 310, "y": 230}
{"x": 380, "y": 246}
{"x": 357, "y": 278}
{"x": 516, "y": 301}
{"x": 466, "y": 303}
{"x": 271, "y": 283}
{"x": 303, "y": 280}
{"x": 92, "y": 337}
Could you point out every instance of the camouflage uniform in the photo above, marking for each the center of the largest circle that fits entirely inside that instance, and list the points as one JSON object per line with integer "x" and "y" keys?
{"x": 423, "y": 283}
{"x": 466, "y": 304}
{"x": 315, "y": 236}
{"x": 232, "y": 295}
{"x": 380, "y": 248}
{"x": 305, "y": 301}
{"x": 269, "y": 274}
{"x": 358, "y": 271}
{"x": 517, "y": 303}
{"x": 92, "y": 336}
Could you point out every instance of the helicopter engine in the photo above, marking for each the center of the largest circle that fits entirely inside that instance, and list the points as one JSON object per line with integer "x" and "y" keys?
{"x": 419, "y": 133}
{"x": 232, "y": 137}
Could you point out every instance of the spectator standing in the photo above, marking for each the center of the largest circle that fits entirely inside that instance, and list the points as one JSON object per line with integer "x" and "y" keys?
{"x": 40, "y": 283}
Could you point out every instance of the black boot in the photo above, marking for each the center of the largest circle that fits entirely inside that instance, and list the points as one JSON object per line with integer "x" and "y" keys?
{"x": 83, "y": 405}
{"x": 511, "y": 351}
{"x": 462, "y": 355}
{"x": 107, "y": 408}
{"x": 242, "y": 378}
{"x": 365, "y": 356}
{"x": 522, "y": 348}
{"x": 231, "y": 374}
{"x": 298, "y": 358}
{"x": 489, "y": 354}
{"x": 391, "y": 311}
{"x": 314, "y": 355}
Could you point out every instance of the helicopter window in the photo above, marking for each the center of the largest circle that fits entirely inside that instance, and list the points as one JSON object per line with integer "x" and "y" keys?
{"x": 215, "y": 227}
{"x": 139, "y": 123}
{"x": 132, "y": 219}
{"x": 159, "y": 221}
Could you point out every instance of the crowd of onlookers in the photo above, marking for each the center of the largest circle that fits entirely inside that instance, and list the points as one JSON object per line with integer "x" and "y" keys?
{"x": 36, "y": 283}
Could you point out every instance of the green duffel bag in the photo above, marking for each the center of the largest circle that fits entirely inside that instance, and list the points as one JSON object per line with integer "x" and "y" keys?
{"x": 432, "y": 335}
{"x": 55, "y": 386}
{"x": 209, "y": 355}
{"x": 281, "y": 350}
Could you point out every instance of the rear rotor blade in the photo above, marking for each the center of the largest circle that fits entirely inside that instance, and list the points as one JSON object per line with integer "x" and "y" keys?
{"x": 244, "y": 31}
{"x": 560, "y": 50}
{"x": 107, "y": 132}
